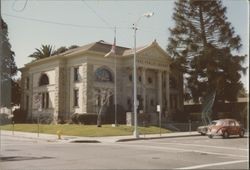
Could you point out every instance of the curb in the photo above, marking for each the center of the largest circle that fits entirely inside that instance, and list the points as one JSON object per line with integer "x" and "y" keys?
{"x": 160, "y": 137}
{"x": 85, "y": 141}
{"x": 68, "y": 139}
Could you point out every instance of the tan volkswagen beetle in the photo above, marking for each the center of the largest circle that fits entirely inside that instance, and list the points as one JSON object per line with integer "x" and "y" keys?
{"x": 225, "y": 128}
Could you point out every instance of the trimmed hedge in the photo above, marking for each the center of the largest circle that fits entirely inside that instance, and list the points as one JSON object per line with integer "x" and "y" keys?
{"x": 20, "y": 116}
{"x": 86, "y": 119}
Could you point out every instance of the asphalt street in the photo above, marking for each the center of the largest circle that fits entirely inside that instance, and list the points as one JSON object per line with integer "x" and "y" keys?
{"x": 197, "y": 152}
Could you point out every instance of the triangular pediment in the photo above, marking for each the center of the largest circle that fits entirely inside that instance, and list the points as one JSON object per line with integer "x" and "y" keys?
{"x": 153, "y": 52}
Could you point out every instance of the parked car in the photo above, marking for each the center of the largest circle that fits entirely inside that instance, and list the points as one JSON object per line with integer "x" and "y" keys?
{"x": 225, "y": 128}
{"x": 203, "y": 129}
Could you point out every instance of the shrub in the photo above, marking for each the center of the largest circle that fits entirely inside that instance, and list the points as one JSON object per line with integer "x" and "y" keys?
{"x": 4, "y": 119}
{"x": 180, "y": 116}
{"x": 46, "y": 118}
{"x": 144, "y": 118}
{"x": 87, "y": 119}
{"x": 109, "y": 116}
{"x": 20, "y": 116}
{"x": 74, "y": 118}
{"x": 61, "y": 120}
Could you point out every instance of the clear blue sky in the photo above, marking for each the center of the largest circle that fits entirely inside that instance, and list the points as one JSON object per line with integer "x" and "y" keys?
{"x": 33, "y": 22}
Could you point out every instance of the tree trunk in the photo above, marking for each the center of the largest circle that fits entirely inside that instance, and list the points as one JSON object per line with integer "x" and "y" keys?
{"x": 203, "y": 33}
{"x": 99, "y": 118}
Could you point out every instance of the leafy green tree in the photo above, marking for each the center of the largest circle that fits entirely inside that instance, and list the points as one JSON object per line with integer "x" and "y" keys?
{"x": 9, "y": 86}
{"x": 202, "y": 44}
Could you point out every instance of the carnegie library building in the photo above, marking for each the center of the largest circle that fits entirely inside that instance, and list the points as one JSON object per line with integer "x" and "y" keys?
{"x": 61, "y": 85}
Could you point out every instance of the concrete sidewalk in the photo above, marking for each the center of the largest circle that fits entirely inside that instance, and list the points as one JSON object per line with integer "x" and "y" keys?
{"x": 78, "y": 139}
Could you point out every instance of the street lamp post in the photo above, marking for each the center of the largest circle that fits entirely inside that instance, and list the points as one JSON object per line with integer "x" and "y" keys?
{"x": 149, "y": 14}
{"x": 115, "y": 89}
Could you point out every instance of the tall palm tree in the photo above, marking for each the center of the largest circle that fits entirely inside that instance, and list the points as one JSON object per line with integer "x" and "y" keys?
{"x": 43, "y": 52}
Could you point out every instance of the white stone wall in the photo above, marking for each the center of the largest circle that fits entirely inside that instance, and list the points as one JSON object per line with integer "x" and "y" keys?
{"x": 61, "y": 78}
{"x": 71, "y": 84}
{"x": 35, "y": 73}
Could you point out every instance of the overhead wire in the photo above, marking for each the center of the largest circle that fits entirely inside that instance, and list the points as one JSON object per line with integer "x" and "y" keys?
{"x": 57, "y": 23}
{"x": 100, "y": 17}
{"x": 21, "y": 9}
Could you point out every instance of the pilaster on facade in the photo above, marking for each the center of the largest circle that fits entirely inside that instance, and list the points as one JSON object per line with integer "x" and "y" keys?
{"x": 159, "y": 75}
{"x": 23, "y": 90}
{"x": 57, "y": 95}
{"x": 144, "y": 88}
{"x": 30, "y": 94}
{"x": 90, "y": 80}
{"x": 84, "y": 87}
{"x": 168, "y": 114}
{"x": 67, "y": 93}
{"x": 87, "y": 86}
{"x": 60, "y": 87}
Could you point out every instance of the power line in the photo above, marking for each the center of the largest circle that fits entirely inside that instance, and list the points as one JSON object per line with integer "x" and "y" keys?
{"x": 92, "y": 9}
{"x": 57, "y": 23}
{"x": 21, "y": 9}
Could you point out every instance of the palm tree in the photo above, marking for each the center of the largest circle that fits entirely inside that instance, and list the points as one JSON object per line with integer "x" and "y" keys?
{"x": 43, "y": 52}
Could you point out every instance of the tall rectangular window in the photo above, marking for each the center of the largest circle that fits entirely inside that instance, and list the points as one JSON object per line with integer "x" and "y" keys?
{"x": 27, "y": 102}
{"x": 76, "y": 97}
{"x": 76, "y": 74}
{"x": 27, "y": 83}
{"x": 45, "y": 100}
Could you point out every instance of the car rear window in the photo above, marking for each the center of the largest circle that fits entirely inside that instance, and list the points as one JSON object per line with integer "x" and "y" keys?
{"x": 231, "y": 123}
{"x": 237, "y": 123}
{"x": 219, "y": 123}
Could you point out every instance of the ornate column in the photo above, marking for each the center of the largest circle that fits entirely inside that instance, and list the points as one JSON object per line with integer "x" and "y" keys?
{"x": 85, "y": 87}
{"x": 167, "y": 94}
{"x": 30, "y": 108}
{"x": 159, "y": 75}
{"x": 144, "y": 89}
{"x": 60, "y": 107}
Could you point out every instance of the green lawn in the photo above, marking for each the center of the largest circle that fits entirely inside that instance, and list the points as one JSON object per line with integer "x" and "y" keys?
{"x": 84, "y": 130}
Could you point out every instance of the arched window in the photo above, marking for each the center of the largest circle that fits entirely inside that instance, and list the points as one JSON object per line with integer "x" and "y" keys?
{"x": 103, "y": 74}
{"x": 44, "y": 80}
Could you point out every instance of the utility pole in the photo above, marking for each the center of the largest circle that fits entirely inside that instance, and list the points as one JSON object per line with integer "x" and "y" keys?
{"x": 115, "y": 83}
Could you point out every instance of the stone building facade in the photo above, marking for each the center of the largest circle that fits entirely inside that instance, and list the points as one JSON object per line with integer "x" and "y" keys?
{"x": 61, "y": 85}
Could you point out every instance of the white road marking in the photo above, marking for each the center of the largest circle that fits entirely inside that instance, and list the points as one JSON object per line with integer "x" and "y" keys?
{"x": 213, "y": 164}
{"x": 161, "y": 148}
{"x": 207, "y": 146}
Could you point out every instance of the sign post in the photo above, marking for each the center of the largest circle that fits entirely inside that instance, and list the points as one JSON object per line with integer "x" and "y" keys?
{"x": 159, "y": 111}
{"x": 38, "y": 104}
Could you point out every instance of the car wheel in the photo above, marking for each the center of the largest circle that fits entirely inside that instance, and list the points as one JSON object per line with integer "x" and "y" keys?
{"x": 203, "y": 134}
{"x": 225, "y": 134}
{"x": 242, "y": 133}
{"x": 210, "y": 136}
